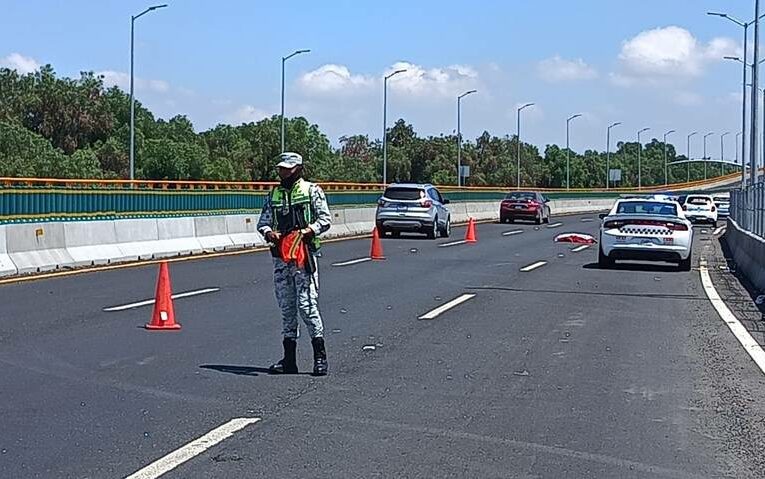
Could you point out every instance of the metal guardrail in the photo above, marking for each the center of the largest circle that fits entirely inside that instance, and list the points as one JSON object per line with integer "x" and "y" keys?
{"x": 747, "y": 208}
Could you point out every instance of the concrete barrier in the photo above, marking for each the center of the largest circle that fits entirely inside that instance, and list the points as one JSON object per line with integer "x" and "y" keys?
{"x": 6, "y": 265}
{"x": 211, "y": 233}
{"x": 92, "y": 243}
{"x": 136, "y": 238}
{"x": 748, "y": 251}
{"x": 34, "y": 248}
{"x": 360, "y": 220}
{"x": 176, "y": 236}
{"x": 339, "y": 228}
{"x": 242, "y": 230}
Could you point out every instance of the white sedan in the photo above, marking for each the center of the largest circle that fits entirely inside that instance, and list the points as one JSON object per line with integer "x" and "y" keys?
{"x": 700, "y": 208}
{"x": 643, "y": 229}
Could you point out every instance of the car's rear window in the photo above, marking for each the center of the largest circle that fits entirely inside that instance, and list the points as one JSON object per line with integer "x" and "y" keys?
{"x": 647, "y": 208}
{"x": 398, "y": 193}
{"x": 697, "y": 200}
{"x": 521, "y": 195}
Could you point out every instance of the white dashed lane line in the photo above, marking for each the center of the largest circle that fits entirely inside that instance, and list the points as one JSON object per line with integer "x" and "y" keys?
{"x": 555, "y": 225}
{"x": 148, "y": 302}
{"x": 193, "y": 449}
{"x": 351, "y": 262}
{"x": 533, "y": 266}
{"x": 446, "y": 307}
{"x": 587, "y": 220}
{"x": 453, "y": 243}
{"x": 580, "y": 248}
{"x": 719, "y": 230}
{"x": 511, "y": 233}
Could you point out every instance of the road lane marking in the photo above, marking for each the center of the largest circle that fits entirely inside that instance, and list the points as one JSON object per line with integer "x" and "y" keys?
{"x": 511, "y": 233}
{"x": 533, "y": 266}
{"x": 718, "y": 230}
{"x": 580, "y": 248}
{"x": 147, "y": 302}
{"x": 193, "y": 449}
{"x": 446, "y": 307}
{"x": 353, "y": 261}
{"x": 739, "y": 331}
{"x": 587, "y": 220}
{"x": 453, "y": 243}
{"x": 555, "y": 225}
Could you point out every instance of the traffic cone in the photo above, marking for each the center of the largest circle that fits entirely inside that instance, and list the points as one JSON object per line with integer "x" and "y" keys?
{"x": 376, "y": 253}
{"x": 164, "y": 314}
{"x": 470, "y": 236}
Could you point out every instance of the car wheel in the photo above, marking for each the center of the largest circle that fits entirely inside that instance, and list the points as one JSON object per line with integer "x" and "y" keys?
{"x": 538, "y": 219}
{"x": 502, "y": 220}
{"x": 395, "y": 234}
{"x": 511, "y": 220}
{"x": 447, "y": 231}
{"x": 603, "y": 260}
{"x": 547, "y": 218}
{"x": 433, "y": 232}
{"x": 685, "y": 264}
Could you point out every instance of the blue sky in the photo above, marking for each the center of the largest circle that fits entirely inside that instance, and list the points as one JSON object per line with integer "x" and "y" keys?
{"x": 646, "y": 63}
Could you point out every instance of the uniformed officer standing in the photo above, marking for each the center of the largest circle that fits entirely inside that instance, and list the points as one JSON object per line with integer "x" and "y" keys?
{"x": 293, "y": 217}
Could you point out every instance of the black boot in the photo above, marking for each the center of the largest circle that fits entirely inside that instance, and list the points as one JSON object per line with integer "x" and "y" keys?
{"x": 288, "y": 364}
{"x": 319, "y": 357}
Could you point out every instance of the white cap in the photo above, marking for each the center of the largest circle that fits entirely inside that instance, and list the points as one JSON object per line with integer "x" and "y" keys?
{"x": 289, "y": 160}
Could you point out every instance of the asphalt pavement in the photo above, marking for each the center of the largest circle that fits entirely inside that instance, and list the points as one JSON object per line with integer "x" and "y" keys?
{"x": 554, "y": 368}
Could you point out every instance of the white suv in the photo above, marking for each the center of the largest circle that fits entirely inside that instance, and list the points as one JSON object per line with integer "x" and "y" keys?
{"x": 700, "y": 209}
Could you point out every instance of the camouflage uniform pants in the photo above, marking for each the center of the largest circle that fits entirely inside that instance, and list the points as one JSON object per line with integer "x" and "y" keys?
{"x": 297, "y": 293}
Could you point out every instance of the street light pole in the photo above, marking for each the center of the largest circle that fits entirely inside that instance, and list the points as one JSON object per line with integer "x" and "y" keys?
{"x": 608, "y": 150}
{"x": 385, "y": 125}
{"x": 704, "y": 158}
{"x": 737, "y": 135}
{"x": 132, "y": 96}
{"x": 722, "y": 152}
{"x": 459, "y": 135}
{"x": 284, "y": 60}
{"x": 665, "y": 157}
{"x": 518, "y": 138}
{"x": 754, "y": 102}
{"x": 640, "y": 147}
{"x": 568, "y": 151}
{"x": 688, "y": 154}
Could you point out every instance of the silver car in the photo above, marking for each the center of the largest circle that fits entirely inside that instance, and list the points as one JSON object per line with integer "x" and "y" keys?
{"x": 722, "y": 202}
{"x": 416, "y": 208}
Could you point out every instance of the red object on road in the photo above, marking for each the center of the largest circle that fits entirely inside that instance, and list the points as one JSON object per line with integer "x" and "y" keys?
{"x": 578, "y": 238}
{"x": 163, "y": 317}
{"x": 376, "y": 253}
{"x": 470, "y": 235}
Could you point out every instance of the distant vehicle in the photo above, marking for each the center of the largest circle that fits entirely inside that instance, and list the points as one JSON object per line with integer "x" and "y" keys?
{"x": 722, "y": 202}
{"x": 417, "y": 208}
{"x": 524, "y": 205}
{"x": 700, "y": 209}
{"x": 649, "y": 230}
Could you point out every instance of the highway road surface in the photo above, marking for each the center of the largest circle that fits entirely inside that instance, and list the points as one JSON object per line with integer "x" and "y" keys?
{"x": 513, "y": 357}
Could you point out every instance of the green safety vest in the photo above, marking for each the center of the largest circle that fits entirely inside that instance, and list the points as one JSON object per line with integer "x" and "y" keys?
{"x": 292, "y": 209}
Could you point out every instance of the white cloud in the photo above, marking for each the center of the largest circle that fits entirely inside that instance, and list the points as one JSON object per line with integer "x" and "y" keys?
{"x": 557, "y": 69}
{"x": 669, "y": 52}
{"x": 122, "y": 80}
{"x": 247, "y": 114}
{"x": 686, "y": 98}
{"x": 20, "y": 63}
{"x": 333, "y": 78}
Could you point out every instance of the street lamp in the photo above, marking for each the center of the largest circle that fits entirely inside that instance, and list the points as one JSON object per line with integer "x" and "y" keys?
{"x": 518, "y": 138}
{"x": 722, "y": 152}
{"x": 568, "y": 150}
{"x": 665, "y": 156}
{"x": 459, "y": 135}
{"x": 132, "y": 96}
{"x": 688, "y": 153}
{"x": 385, "y": 125}
{"x": 640, "y": 147}
{"x": 705, "y": 153}
{"x": 284, "y": 60}
{"x": 745, "y": 26}
{"x": 608, "y": 150}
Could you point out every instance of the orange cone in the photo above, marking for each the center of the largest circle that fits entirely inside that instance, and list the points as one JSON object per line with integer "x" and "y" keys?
{"x": 470, "y": 236}
{"x": 164, "y": 313}
{"x": 376, "y": 253}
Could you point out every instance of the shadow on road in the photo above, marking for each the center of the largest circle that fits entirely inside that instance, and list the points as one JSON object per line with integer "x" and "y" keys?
{"x": 242, "y": 370}
{"x": 647, "y": 267}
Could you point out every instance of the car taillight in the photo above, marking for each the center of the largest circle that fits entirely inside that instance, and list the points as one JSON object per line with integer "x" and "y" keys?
{"x": 426, "y": 203}
{"x": 533, "y": 204}
{"x": 382, "y": 202}
{"x": 677, "y": 226}
{"x": 613, "y": 224}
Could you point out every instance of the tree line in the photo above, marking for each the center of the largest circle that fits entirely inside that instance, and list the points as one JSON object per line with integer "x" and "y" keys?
{"x": 58, "y": 127}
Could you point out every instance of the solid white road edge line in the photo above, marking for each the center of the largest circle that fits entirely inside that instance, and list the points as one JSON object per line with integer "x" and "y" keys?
{"x": 511, "y": 233}
{"x": 533, "y": 266}
{"x": 718, "y": 230}
{"x": 147, "y": 302}
{"x": 739, "y": 331}
{"x": 192, "y": 449}
{"x": 453, "y": 243}
{"x": 353, "y": 261}
{"x": 445, "y": 307}
{"x": 580, "y": 248}
{"x": 555, "y": 225}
